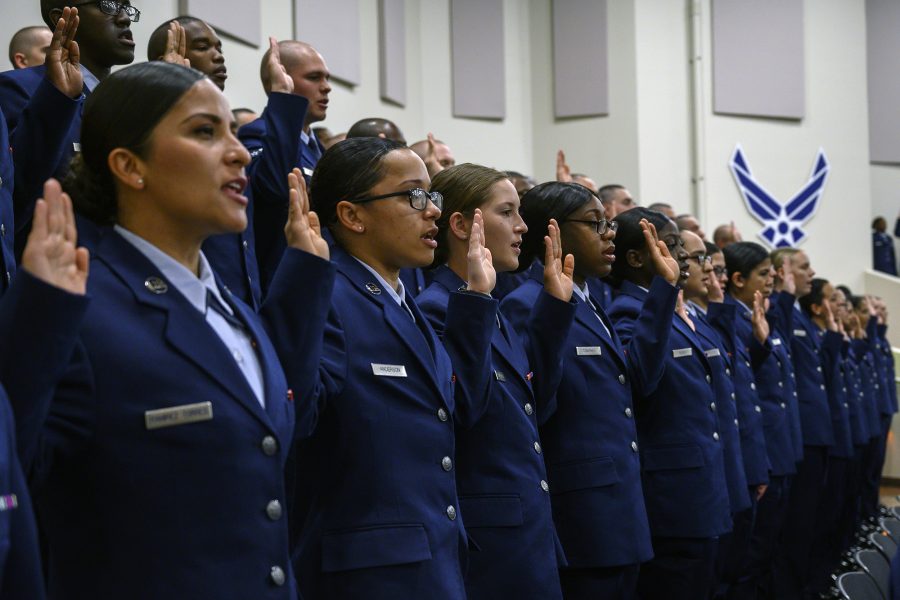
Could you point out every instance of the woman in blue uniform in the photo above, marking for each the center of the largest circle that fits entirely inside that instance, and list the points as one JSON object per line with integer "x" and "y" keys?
{"x": 158, "y": 471}
{"x": 590, "y": 440}
{"x": 750, "y": 273}
{"x": 500, "y": 473}
{"x": 826, "y": 544}
{"x": 682, "y": 457}
{"x": 379, "y": 515}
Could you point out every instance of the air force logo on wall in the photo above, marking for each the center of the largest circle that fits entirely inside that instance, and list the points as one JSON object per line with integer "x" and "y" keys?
{"x": 782, "y": 221}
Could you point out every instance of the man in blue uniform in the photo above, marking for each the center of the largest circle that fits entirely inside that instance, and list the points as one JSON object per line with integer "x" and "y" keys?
{"x": 281, "y": 140}
{"x": 42, "y": 104}
{"x": 883, "y": 256}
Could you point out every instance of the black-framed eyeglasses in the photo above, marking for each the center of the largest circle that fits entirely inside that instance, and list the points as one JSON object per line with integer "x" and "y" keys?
{"x": 702, "y": 259}
{"x": 601, "y": 226}
{"x": 418, "y": 198}
{"x": 112, "y": 8}
{"x": 719, "y": 270}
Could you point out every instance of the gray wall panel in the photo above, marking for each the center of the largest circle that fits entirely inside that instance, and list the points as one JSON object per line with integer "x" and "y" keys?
{"x": 758, "y": 63}
{"x": 332, "y": 27}
{"x": 240, "y": 19}
{"x": 580, "y": 83}
{"x": 883, "y": 48}
{"x": 479, "y": 84}
{"x": 392, "y": 50}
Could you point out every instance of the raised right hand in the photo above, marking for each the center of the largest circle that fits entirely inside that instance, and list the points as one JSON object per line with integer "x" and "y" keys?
{"x": 278, "y": 75}
{"x": 51, "y": 253}
{"x": 63, "y": 57}
{"x": 176, "y": 45}
{"x": 758, "y": 318}
{"x": 563, "y": 171}
{"x": 665, "y": 266}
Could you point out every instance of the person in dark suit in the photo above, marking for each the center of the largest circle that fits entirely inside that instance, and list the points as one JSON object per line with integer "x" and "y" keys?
{"x": 297, "y": 81}
{"x": 884, "y": 258}
{"x": 43, "y": 104}
{"x": 48, "y": 301}
{"x": 376, "y": 507}
{"x": 500, "y": 473}
{"x": 170, "y": 369}
{"x": 681, "y": 448}
{"x": 826, "y": 545}
{"x": 705, "y": 306}
{"x": 589, "y": 434}
{"x": 750, "y": 281}
{"x": 806, "y": 355}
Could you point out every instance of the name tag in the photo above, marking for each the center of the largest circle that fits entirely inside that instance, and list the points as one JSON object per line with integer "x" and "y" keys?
{"x": 76, "y": 147}
{"x": 711, "y": 353}
{"x": 776, "y": 341}
{"x": 178, "y": 415}
{"x": 682, "y": 352}
{"x": 499, "y": 376}
{"x": 388, "y": 370}
{"x": 588, "y": 350}
{"x": 8, "y": 502}
{"x": 800, "y": 332}
{"x": 307, "y": 171}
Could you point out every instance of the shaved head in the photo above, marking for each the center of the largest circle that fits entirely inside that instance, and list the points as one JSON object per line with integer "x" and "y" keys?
{"x": 293, "y": 55}
{"x": 376, "y": 127}
{"x": 28, "y": 46}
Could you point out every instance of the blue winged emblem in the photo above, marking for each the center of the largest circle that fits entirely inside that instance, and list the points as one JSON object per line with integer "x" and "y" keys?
{"x": 782, "y": 222}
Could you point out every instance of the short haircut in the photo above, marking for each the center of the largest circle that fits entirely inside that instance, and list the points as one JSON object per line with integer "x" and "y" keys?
{"x": 659, "y": 205}
{"x": 724, "y": 234}
{"x": 375, "y": 127}
{"x": 778, "y": 255}
{"x": 711, "y": 248}
{"x": 606, "y": 192}
{"x": 23, "y": 39}
{"x": 156, "y": 47}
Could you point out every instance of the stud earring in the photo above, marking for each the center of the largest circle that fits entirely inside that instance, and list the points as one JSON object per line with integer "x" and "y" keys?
{"x": 140, "y": 181}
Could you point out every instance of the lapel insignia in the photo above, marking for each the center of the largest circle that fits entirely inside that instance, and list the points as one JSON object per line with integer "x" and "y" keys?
{"x": 156, "y": 285}
{"x": 373, "y": 289}
{"x": 8, "y": 502}
{"x": 76, "y": 147}
{"x": 499, "y": 376}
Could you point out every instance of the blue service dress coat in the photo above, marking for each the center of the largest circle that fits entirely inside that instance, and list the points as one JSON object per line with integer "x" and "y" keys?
{"x": 500, "y": 475}
{"x": 725, "y": 407}
{"x": 743, "y": 354}
{"x": 590, "y": 439}
{"x": 376, "y": 506}
{"x": 44, "y": 127}
{"x": 276, "y": 148}
{"x": 51, "y": 317}
{"x": 781, "y": 319}
{"x": 769, "y": 383}
{"x": 889, "y": 367}
{"x": 190, "y": 510}
{"x": 7, "y": 221}
{"x": 829, "y": 344}
{"x": 852, "y": 387}
{"x": 884, "y": 258}
{"x": 682, "y": 458}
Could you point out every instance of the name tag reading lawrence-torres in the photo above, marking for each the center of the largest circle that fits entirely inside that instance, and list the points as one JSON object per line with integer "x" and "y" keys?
{"x": 588, "y": 350}
{"x": 682, "y": 352}
{"x": 178, "y": 415}
{"x": 711, "y": 352}
{"x": 388, "y": 370}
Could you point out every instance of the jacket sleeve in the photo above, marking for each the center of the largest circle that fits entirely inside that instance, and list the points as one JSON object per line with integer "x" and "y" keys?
{"x": 548, "y": 328}
{"x": 39, "y": 324}
{"x": 645, "y": 336}
{"x": 275, "y": 151}
{"x": 467, "y": 340}
{"x": 305, "y": 331}
{"x": 39, "y": 145}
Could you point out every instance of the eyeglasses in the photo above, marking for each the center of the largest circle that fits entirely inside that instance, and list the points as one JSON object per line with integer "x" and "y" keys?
{"x": 108, "y": 7}
{"x": 601, "y": 226}
{"x": 418, "y": 198}
{"x": 720, "y": 271}
{"x": 702, "y": 259}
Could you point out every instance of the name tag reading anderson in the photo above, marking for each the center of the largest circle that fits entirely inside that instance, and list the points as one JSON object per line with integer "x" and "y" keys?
{"x": 389, "y": 370}
{"x": 178, "y": 415}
